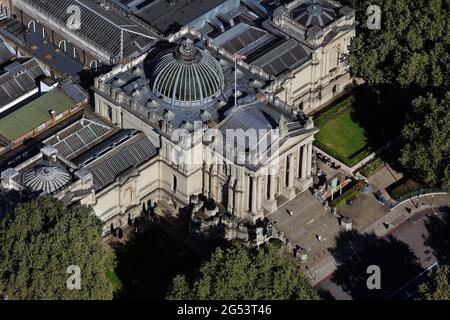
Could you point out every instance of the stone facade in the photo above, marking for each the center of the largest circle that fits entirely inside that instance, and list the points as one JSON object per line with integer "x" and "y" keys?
{"x": 325, "y": 75}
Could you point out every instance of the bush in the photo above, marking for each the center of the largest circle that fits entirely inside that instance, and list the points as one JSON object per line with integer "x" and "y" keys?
{"x": 349, "y": 194}
{"x": 276, "y": 243}
{"x": 402, "y": 188}
{"x": 373, "y": 167}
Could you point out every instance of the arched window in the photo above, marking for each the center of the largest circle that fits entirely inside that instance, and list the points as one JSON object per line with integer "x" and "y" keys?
{"x": 94, "y": 65}
{"x": 174, "y": 184}
{"x": 63, "y": 45}
{"x": 32, "y": 25}
{"x": 334, "y": 89}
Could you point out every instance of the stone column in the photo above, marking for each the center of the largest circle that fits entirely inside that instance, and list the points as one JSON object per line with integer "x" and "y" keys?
{"x": 239, "y": 203}
{"x": 304, "y": 161}
{"x": 308, "y": 167}
{"x": 291, "y": 172}
{"x": 213, "y": 181}
{"x": 259, "y": 194}
{"x": 206, "y": 181}
{"x": 254, "y": 192}
{"x": 231, "y": 195}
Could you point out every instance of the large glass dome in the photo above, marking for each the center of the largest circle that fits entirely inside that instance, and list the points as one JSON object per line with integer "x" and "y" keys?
{"x": 189, "y": 76}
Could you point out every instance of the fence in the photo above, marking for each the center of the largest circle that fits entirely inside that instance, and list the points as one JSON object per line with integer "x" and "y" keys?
{"x": 417, "y": 194}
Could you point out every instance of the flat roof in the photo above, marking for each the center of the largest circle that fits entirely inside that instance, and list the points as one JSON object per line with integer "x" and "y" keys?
{"x": 107, "y": 29}
{"x": 34, "y": 114}
{"x": 286, "y": 56}
{"x": 162, "y": 16}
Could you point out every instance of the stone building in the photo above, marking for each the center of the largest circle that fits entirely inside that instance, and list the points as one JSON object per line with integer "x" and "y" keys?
{"x": 182, "y": 117}
{"x": 184, "y": 90}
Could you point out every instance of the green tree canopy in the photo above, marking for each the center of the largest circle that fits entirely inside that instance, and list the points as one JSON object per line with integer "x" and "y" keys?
{"x": 427, "y": 141}
{"x": 412, "y": 48}
{"x": 438, "y": 285}
{"x": 241, "y": 273}
{"x": 40, "y": 240}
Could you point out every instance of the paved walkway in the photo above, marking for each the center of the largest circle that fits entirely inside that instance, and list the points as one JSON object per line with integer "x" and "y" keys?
{"x": 309, "y": 219}
{"x": 382, "y": 227}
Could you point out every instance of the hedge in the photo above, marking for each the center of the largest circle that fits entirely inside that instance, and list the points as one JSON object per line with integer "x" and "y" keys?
{"x": 349, "y": 194}
{"x": 373, "y": 167}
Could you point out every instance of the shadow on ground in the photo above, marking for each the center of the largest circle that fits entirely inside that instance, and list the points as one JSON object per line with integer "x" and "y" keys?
{"x": 439, "y": 233}
{"x": 148, "y": 262}
{"x": 381, "y": 112}
{"x": 355, "y": 252}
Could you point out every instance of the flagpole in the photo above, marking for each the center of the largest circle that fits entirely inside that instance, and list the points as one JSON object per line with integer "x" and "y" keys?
{"x": 235, "y": 80}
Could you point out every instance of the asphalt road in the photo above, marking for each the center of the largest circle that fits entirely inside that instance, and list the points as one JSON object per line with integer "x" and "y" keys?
{"x": 412, "y": 232}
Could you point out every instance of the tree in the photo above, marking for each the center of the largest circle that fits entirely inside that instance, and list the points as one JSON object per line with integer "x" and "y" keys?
{"x": 241, "y": 273}
{"x": 40, "y": 240}
{"x": 438, "y": 285}
{"x": 427, "y": 141}
{"x": 412, "y": 48}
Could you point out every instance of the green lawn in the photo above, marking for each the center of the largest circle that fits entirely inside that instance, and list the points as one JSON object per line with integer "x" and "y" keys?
{"x": 341, "y": 136}
{"x": 358, "y": 125}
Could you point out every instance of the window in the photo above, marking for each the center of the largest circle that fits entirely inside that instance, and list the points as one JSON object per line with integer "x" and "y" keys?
{"x": 250, "y": 193}
{"x": 128, "y": 196}
{"x": 334, "y": 89}
{"x": 110, "y": 113}
{"x": 300, "y": 160}
{"x": 269, "y": 178}
{"x": 174, "y": 184}
{"x": 288, "y": 169}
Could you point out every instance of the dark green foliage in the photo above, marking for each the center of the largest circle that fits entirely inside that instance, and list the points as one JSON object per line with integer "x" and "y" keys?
{"x": 242, "y": 273}
{"x": 373, "y": 167}
{"x": 410, "y": 50}
{"x": 40, "y": 240}
{"x": 427, "y": 141}
{"x": 352, "y": 192}
{"x": 438, "y": 285}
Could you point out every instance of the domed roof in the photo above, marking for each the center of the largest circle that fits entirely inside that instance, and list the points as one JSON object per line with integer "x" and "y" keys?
{"x": 314, "y": 14}
{"x": 189, "y": 76}
{"x": 46, "y": 178}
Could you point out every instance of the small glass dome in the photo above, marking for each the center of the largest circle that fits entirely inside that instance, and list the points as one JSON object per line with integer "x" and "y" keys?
{"x": 314, "y": 14}
{"x": 189, "y": 76}
{"x": 46, "y": 177}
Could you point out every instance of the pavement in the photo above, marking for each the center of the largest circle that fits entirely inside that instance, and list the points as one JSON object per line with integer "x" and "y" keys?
{"x": 366, "y": 209}
{"x": 414, "y": 233}
{"x": 309, "y": 220}
{"x": 406, "y": 223}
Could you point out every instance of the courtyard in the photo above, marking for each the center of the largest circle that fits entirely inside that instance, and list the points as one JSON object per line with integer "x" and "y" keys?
{"x": 359, "y": 124}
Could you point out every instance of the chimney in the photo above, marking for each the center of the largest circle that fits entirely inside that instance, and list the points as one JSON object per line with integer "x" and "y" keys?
{"x": 7, "y": 178}
{"x": 85, "y": 175}
{"x": 49, "y": 153}
{"x": 53, "y": 114}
